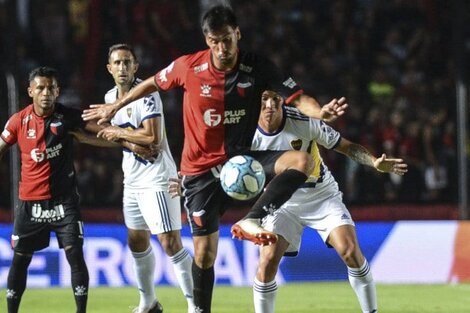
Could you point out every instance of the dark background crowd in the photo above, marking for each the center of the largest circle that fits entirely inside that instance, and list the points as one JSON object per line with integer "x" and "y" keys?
{"x": 392, "y": 59}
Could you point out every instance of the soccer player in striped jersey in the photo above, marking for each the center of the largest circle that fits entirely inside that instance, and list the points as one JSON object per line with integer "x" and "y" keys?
{"x": 222, "y": 87}
{"x": 147, "y": 206}
{"x": 316, "y": 204}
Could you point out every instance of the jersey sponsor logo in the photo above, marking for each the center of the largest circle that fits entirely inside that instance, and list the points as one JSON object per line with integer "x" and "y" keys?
{"x": 201, "y": 68}
{"x": 245, "y": 68}
{"x": 162, "y": 75}
{"x": 40, "y": 215}
{"x": 289, "y": 83}
{"x": 31, "y": 133}
{"x": 241, "y": 88}
{"x": 54, "y": 127}
{"x": 5, "y": 133}
{"x": 211, "y": 118}
{"x": 37, "y": 155}
{"x": 54, "y": 151}
{"x": 205, "y": 90}
{"x": 233, "y": 117}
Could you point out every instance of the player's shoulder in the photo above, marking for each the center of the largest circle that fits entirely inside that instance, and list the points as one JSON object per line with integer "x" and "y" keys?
{"x": 111, "y": 95}
{"x": 65, "y": 110}
{"x": 251, "y": 59}
{"x": 294, "y": 114}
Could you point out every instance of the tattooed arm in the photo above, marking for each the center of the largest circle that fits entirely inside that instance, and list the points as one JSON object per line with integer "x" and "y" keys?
{"x": 361, "y": 155}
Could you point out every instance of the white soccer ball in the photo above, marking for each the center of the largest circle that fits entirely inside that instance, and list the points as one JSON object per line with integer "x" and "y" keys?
{"x": 242, "y": 177}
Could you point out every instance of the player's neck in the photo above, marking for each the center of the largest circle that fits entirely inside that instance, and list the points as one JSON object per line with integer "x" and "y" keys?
{"x": 270, "y": 126}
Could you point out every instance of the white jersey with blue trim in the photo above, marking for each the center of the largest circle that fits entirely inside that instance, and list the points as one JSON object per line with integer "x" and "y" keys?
{"x": 138, "y": 172}
{"x": 299, "y": 132}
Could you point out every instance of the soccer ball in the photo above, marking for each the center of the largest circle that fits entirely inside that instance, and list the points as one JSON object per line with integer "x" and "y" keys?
{"x": 242, "y": 177}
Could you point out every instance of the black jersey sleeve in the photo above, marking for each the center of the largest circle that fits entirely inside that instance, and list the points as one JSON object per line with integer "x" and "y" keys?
{"x": 73, "y": 117}
{"x": 276, "y": 80}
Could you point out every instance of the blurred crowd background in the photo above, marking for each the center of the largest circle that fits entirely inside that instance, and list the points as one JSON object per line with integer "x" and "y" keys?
{"x": 392, "y": 59}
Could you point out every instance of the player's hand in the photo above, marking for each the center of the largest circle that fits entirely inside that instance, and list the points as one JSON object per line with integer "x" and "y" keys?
{"x": 149, "y": 153}
{"x": 334, "y": 109}
{"x": 395, "y": 166}
{"x": 174, "y": 186}
{"x": 110, "y": 133}
{"x": 102, "y": 112}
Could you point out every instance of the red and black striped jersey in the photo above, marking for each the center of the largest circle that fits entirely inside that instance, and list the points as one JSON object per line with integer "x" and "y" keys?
{"x": 46, "y": 149}
{"x": 221, "y": 109}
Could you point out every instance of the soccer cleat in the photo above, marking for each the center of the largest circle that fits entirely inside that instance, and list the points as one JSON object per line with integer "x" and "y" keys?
{"x": 156, "y": 308}
{"x": 250, "y": 229}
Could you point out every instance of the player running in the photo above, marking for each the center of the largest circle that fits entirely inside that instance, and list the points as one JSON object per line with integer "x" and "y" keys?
{"x": 316, "y": 204}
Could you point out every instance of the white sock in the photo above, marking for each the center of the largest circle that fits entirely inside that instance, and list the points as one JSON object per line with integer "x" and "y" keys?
{"x": 182, "y": 262}
{"x": 362, "y": 282}
{"x": 264, "y": 296}
{"x": 144, "y": 266}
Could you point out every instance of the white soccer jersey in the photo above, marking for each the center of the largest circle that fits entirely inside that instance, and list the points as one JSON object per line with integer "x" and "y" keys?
{"x": 299, "y": 132}
{"x": 139, "y": 173}
{"x": 318, "y": 203}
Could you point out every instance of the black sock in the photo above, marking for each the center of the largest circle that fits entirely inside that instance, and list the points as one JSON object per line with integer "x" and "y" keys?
{"x": 203, "y": 287}
{"x": 16, "y": 282}
{"x": 278, "y": 191}
{"x": 80, "y": 277}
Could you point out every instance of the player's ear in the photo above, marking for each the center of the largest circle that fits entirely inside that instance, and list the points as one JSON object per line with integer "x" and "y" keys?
{"x": 238, "y": 33}
{"x": 136, "y": 67}
{"x": 108, "y": 67}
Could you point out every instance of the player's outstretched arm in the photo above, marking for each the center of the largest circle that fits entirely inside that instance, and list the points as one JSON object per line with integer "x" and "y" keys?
{"x": 104, "y": 112}
{"x": 329, "y": 112}
{"x": 361, "y": 155}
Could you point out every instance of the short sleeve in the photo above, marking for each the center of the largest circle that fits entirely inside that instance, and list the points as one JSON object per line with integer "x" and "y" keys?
{"x": 173, "y": 75}
{"x": 10, "y": 131}
{"x": 324, "y": 134}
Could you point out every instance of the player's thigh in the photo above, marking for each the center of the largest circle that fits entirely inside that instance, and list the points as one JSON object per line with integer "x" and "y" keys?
{"x": 30, "y": 234}
{"x": 133, "y": 217}
{"x": 268, "y": 160}
{"x": 284, "y": 222}
{"x": 69, "y": 231}
{"x": 205, "y": 201}
{"x": 325, "y": 214}
{"x": 161, "y": 213}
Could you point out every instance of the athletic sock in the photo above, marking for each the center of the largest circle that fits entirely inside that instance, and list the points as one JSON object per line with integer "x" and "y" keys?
{"x": 182, "y": 262}
{"x": 144, "y": 266}
{"x": 80, "y": 277}
{"x": 264, "y": 296}
{"x": 278, "y": 191}
{"x": 16, "y": 282}
{"x": 203, "y": 287}
{"x": 362, "y": 282}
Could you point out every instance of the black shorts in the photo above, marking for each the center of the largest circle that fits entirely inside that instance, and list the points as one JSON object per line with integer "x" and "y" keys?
{"x": 205, "y": 200}
{"x": 34, "y": 221}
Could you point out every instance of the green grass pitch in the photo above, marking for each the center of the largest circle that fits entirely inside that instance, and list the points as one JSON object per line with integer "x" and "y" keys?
{"x": 291, "y": 298}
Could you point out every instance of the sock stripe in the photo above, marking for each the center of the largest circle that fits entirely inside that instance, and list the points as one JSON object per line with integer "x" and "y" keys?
{"x": 138, "y": 255}
{"x": 179, "y": 256}
{"x": 359, "y": 272}
{"x": 265, "y": 288}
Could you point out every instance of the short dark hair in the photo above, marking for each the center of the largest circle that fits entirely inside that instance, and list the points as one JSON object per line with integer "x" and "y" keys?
{"x": 218, "y": 17}
{"x": 44, "y": 71}
{"x": 122, "y": 46}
